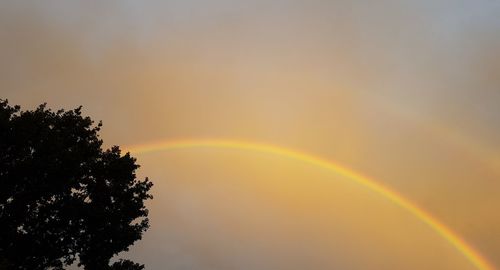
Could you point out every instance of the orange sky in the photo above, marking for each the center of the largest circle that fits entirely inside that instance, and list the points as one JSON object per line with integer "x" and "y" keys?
{"x": 406, "y": 93}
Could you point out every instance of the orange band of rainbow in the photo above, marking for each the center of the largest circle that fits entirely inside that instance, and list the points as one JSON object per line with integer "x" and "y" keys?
{"x": 472, "y": 255}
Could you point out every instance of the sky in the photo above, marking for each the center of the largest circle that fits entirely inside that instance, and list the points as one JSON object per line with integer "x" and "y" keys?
{"x": 405, "y": 92}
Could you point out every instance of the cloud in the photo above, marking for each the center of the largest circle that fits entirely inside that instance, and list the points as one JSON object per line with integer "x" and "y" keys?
{"x": 404, "y": 92}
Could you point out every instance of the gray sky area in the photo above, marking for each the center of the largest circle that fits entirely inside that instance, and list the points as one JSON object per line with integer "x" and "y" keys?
{"x": 406, "y": 92}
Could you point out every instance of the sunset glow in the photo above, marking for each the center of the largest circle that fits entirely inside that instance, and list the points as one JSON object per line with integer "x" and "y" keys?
{"x": 282, "y": 134}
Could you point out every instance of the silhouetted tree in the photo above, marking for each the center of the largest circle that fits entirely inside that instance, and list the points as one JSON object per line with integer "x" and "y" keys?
{"x": 62, "y": 196}
{"x": 126, "y": 265}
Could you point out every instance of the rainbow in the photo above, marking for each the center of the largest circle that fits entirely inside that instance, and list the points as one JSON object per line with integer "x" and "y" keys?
{"x": 473, "y": 256}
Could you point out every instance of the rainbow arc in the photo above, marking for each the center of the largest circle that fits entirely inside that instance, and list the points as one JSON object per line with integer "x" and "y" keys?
{"x": 473, "y": 256}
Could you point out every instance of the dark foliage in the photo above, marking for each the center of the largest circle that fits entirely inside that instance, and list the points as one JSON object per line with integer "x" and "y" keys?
{"x": 126, "y": 265}
{"x": 61, "y": 196}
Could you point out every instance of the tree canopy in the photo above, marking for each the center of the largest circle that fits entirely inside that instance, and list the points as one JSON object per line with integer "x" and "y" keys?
{"x": 64, "y": 199}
